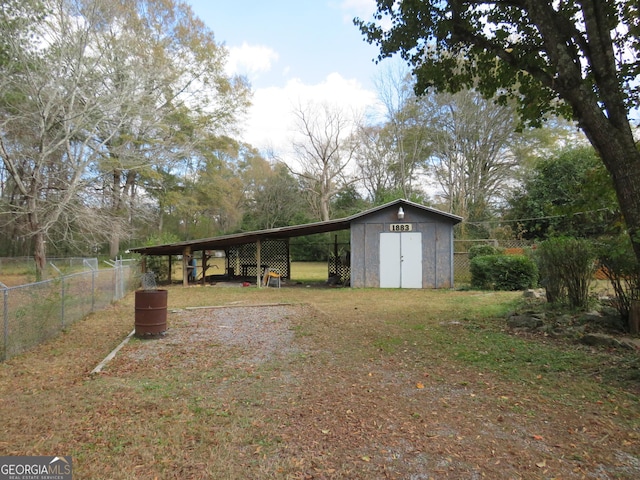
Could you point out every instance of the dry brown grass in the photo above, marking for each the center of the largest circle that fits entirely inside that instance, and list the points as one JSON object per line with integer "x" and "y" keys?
{"x": 340, "y": 384}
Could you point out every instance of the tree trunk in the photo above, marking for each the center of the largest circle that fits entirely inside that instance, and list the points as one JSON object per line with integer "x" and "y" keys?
{"x": 624, "y": 165}
{"x": 324, "y": 207}
{"x": 634, "y": 317}
{"x": 40, "y": 256}
{"x": 114, "y": 245}
{"x": 621, "y": 157}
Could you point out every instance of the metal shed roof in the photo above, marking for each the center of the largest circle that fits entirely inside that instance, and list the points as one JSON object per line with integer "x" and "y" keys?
{"x": 221, "y": 242}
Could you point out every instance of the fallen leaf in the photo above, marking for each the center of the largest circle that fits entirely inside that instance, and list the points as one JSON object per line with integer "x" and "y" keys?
{"x": 326, "y": 432}
{"x": 419, "y": 385}
{"x": 366, "y": 458}
{"x": 541, "y": 464}
{"x": 538, "y": 437}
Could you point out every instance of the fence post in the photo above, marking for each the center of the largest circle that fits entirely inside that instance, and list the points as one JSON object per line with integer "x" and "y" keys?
{"x": 5, "y": 315}
{"x": 93, "y": 284}
{"x": 114, "y": 266}
{"x": 61, "y": 292}
{"x": 119, "y": 289}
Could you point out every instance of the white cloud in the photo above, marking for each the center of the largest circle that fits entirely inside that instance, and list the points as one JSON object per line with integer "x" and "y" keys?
{"x": 357, "y": 8}
{"x": 363, "y": 9}
{"x": 271, "y": 124}
{"x": 250, "y": 60}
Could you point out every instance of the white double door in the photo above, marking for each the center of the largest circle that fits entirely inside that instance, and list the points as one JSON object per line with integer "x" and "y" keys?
{"x": 401, "y": 260}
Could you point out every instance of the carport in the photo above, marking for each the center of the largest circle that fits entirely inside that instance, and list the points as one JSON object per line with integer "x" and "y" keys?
{"x": 244, "y": 252}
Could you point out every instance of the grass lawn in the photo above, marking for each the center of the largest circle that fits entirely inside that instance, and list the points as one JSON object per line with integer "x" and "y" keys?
{"x": 301, "y": 383}
{"x": 305, "y": 272}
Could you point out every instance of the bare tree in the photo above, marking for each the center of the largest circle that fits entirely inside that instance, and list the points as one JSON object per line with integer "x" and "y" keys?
{"x": 472, "y": 160}
{"x": 324, "y": 151}
{"x": 107, "y": 98}
{"x": 405, "y": 123}
{"x": 376, "y": 161}
{"x": 48, "y": 124}
{"x": 166, "y": 66}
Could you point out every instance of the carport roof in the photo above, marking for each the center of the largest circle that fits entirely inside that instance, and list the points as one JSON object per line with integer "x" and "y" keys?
{"x": 224, "y": 241}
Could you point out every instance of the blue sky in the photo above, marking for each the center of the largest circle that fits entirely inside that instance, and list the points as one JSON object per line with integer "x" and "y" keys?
{"x": 293, "y": 52}
{"x": 309, "y": 39}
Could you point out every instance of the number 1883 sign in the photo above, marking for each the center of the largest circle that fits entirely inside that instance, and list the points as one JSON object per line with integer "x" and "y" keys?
{"x": 401, "y": 227}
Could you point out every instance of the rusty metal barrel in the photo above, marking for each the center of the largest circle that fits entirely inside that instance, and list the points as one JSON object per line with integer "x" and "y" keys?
{"x": 151, "y": 312}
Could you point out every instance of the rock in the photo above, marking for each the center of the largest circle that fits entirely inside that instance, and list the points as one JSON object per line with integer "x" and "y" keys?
{"x": 562, "y": 333}
{"x": 608, "y": 311}
{"x": 564, "y": 320}
{"x": 630, "y": 343}
{"x": 593, "y": 317}
{"x": 531, "y": 293}
{"x": 535, "y": 293}
{"x": 602, "y": 340}
{"x": 605, "y": 320}
{"x": 538, "y": 315}
{"x": 524, "y": 321}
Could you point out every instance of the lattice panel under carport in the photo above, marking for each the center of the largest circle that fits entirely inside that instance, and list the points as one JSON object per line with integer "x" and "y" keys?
{"x": 274, "y": 254}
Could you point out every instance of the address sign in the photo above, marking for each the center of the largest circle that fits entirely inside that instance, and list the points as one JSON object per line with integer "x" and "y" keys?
{"x": 401, "y": 227}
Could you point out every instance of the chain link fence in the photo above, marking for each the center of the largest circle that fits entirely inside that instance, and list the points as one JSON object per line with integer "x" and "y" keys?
{"x": 35, "y": 312}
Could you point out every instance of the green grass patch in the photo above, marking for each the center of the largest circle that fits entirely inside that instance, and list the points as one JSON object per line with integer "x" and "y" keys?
{"x": 388, "y": 344}
{"x": 309, "y": 272}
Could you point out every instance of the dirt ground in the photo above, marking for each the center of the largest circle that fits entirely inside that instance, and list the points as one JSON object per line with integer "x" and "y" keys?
{"x": 290, "y": 391}
{"x": 390, "y": 416}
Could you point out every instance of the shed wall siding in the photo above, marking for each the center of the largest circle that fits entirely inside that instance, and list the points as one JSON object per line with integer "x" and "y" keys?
{"x": 436, "y": 247}
{"x": 357, "y": 255}
{"x": 372, "y": 254}
{"x": 429, "y": 253}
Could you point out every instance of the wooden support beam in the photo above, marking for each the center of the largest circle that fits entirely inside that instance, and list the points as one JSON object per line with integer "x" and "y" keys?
{"x": 258, "y": 264}
{"x": 186, "y": 254}
{"x": 204, "y": 267}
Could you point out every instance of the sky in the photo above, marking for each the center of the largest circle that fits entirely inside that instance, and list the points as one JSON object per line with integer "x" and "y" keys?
{"x": 293, "y": 52}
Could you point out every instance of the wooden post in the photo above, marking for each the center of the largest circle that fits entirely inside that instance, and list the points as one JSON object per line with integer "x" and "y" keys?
{"x": 170, "y": 267}
{"x": 204, "y": 267}
{"x": 288, "y": 272}
{"x": 634, "y": 317}
{"x": 186, "y": 253}
{"x": 258, "y": 264}
{"x": 335, "y": 255}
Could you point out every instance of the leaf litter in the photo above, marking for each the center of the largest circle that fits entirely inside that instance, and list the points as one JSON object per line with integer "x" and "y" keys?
{"x": 284, "y": 392}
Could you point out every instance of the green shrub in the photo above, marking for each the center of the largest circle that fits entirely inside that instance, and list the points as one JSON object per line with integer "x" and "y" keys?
{"x": 482, "y": 250}
{"x": 503, "y": 272}
{"x": 567, "y": 264}
{"x": 548, "y": 258}
{"x": 481, "y": 272}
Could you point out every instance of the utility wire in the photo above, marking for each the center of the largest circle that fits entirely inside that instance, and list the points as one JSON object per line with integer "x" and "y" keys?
{"x": 484, "y": 222}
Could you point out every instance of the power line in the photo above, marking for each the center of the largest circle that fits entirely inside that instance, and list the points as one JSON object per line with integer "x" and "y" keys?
{"x": 549, "y": 217}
